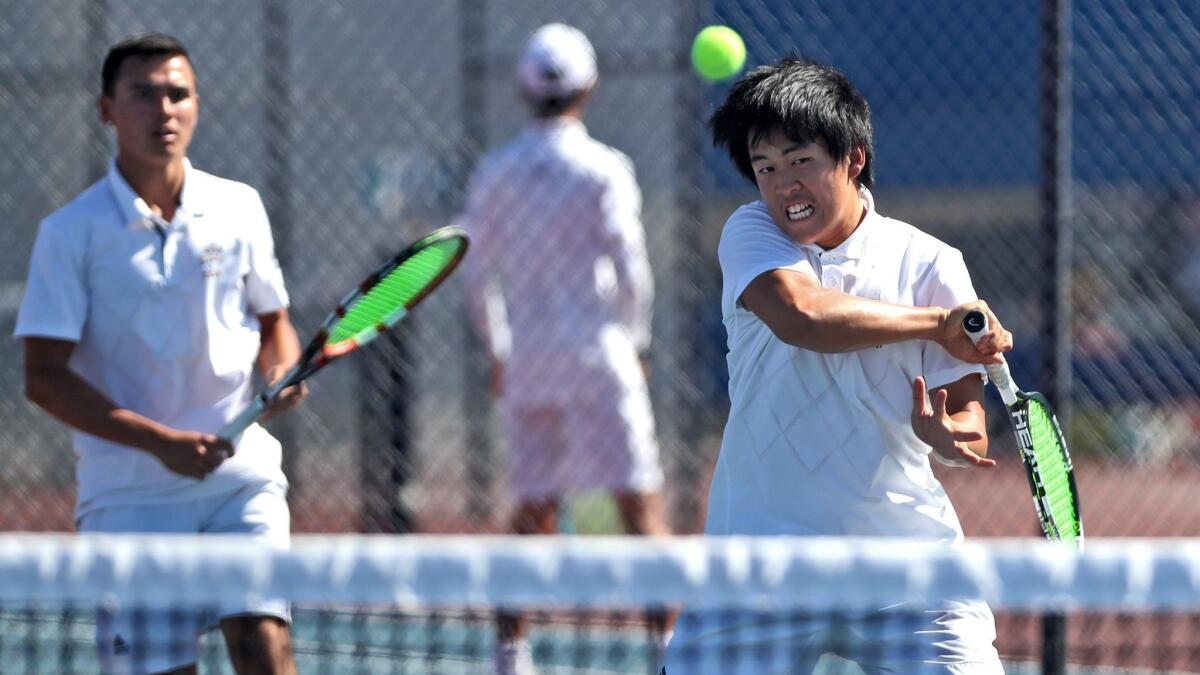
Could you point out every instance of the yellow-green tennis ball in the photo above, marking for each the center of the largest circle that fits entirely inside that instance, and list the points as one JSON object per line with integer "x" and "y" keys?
{"x": 718, "y": 53}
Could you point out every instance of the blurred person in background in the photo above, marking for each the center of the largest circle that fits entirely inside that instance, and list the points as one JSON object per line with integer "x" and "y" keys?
{"x": 560, "y": 292}
{"x": 150, "y": 298}
{"x": 848, "y": 370}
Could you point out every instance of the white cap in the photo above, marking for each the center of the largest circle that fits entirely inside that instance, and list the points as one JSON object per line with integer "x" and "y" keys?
{"x": 558, "y": 61}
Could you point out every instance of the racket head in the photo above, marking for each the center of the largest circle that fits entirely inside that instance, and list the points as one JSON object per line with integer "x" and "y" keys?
{"x": 1048, "y": 465}
{"x": 387, "y": 294}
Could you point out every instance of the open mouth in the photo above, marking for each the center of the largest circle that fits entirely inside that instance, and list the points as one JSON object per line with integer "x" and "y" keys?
{"x": 799, "y": 211}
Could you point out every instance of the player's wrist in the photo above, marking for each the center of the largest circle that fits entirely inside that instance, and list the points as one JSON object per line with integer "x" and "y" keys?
{"x": 158, "y": 438}
{"x": 941, "y": 328}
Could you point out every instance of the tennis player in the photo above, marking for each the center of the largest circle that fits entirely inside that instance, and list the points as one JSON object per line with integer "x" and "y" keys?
{"x": 150, "y": 297}
{"x": 561, "y": 293}
{"x": 848, "y": 370}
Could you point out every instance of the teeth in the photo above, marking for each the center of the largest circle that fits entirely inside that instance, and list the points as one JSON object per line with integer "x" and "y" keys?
{"x": 799, "y": 211}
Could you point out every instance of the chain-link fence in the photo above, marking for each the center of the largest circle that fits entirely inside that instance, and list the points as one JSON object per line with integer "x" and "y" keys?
{"x": 1054, "y": 144}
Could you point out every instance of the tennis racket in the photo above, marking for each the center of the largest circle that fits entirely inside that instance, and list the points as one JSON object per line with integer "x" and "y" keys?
{"x": 1043, "y": 450}
{"x": 379, "y": 302}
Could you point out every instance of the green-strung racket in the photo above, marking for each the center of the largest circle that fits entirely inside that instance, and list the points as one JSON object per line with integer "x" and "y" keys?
{"x": 1043, "y": 450}
{"x": 378, "y": 303}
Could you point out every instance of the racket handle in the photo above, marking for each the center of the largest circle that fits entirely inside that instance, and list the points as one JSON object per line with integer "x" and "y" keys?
{"x": 975, "y": 324}
{"x": 243, "y": 421}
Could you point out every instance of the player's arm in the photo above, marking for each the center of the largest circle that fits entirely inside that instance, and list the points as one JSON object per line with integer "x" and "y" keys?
{"x": 54, "y": 387}
{"x": 625, "y": 241}
{"x": 951, "y": 420}
{"x": 486, "y": 309}
{"x": 802, "y": 313}
{"x": 279, "y": 350}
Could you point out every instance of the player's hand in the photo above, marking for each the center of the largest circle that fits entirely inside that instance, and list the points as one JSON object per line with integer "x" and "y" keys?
{"x": 956, "y": 341}
{"x": 287, "y": 398}
{"x": 190, "y": 453}
{"x": 933, "y": 425}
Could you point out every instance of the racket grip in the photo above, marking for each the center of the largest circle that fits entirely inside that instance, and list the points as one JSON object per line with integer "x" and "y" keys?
{"x": 975, "y": 324}
{"x": 243, "y": 421}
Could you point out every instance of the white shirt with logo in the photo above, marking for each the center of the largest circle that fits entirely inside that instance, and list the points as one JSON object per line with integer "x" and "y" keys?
{"x": 821, "y": 444}
{"x": 555, "y": 224}
{"x": 164, "y": 317}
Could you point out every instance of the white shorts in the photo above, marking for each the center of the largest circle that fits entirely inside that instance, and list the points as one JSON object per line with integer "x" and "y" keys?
{"x": 956, "y": 639}
{"x": 597, "y": 443}
{"x": 132, "y": 642}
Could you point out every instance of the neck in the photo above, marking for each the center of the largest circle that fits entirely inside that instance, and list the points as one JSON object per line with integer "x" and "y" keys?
{"x": 159, "y": 186}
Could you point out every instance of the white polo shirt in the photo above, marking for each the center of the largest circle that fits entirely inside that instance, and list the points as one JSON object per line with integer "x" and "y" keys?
{"x": 555, "y": 221}
{"x": 821, "y": 444}
{"x": 164, "y": 317}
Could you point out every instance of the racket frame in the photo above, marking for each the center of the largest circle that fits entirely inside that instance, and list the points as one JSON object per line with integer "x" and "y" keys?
{"x": 975, "y": 324}
{"x": 317, "y": 353}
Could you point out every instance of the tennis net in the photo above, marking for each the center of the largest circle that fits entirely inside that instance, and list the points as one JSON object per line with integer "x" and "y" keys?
{"x": 421, "y": 604}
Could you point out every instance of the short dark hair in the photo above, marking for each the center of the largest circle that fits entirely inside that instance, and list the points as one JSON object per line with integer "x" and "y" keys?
{"x": 139, "y": 45}
{"x": 554, "y": 106}
{"x": 806, "y": 100}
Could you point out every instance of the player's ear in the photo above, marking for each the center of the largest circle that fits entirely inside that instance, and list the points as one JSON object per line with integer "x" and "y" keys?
{"x": 104, "y": 108}
{"x": 856, "y": 161}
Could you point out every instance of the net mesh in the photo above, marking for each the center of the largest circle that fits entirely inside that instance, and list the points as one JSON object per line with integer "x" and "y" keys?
{"x": 397, "y": 291}
{"x": 428, "y": 604}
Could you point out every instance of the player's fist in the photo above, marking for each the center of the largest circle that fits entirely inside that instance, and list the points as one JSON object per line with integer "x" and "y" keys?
{"x": 193, "y": 454}
{"x": 956, "y": 341}
{"x": 287, "y": 398}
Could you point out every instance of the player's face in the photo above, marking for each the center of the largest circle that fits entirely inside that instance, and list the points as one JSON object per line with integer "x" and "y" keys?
{"x": 153, "y": 108}
{"x": 810, "y": 195}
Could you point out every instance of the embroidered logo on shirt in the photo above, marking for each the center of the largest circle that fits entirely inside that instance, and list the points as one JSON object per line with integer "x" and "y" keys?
{"x": 212, "y": 258}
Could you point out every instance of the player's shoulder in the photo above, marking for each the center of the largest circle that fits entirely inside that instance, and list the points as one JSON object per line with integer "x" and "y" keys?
{"x": 750, "y": 220}
{"x": 216, "y": 188}
{"x": 750, "y": 233}
{"x": 92, "y": 206}
{"x": 500, "y": 161}
{"x": 897, "y": 234}
{"x": 605, "y": 159}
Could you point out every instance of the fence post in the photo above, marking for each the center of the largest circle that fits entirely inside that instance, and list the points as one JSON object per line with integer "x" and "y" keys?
{"x": 1057, "y": 232}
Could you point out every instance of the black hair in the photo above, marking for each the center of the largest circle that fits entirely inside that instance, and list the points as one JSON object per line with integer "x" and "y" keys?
{"x": 806, "y": 100}
{"x": 140, "y": 45}
{"x": 554, "y": 106}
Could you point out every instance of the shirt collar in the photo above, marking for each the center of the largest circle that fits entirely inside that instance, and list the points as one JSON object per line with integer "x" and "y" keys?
{"x": 855, "y": 246}
{"x": 136, "y": 212}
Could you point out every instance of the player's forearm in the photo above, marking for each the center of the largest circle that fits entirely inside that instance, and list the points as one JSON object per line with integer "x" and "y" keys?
{"x": 279, "y": 346}
{"x": 70, "y": 399}
{"x": 831, "y": 322}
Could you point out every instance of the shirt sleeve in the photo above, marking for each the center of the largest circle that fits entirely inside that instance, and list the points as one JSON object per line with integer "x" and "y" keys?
{"x": 56, "y": 300}
{"x": 948, "y": 284}
{"x": 625, "y": 239}
{"x": 485, "y": 302}
{"x": 265, "y": 290}
{"x": 751, "y": 244}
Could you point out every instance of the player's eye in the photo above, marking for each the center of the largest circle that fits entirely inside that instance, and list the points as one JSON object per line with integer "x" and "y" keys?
{"x": 177, "y": 94}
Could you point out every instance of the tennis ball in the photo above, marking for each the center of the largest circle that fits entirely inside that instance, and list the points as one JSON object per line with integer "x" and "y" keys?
{"x": 718, "y": 53}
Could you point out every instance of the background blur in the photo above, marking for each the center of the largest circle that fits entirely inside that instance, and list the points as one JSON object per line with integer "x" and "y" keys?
{"x": 1057, "y": 146}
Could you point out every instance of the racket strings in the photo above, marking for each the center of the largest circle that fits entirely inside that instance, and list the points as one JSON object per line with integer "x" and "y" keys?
{"x": 396, "y": 291}
{"x": 1054, "y": 470}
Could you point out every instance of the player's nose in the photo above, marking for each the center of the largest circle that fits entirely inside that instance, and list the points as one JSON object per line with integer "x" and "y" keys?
{"x": 786, "y": 186}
